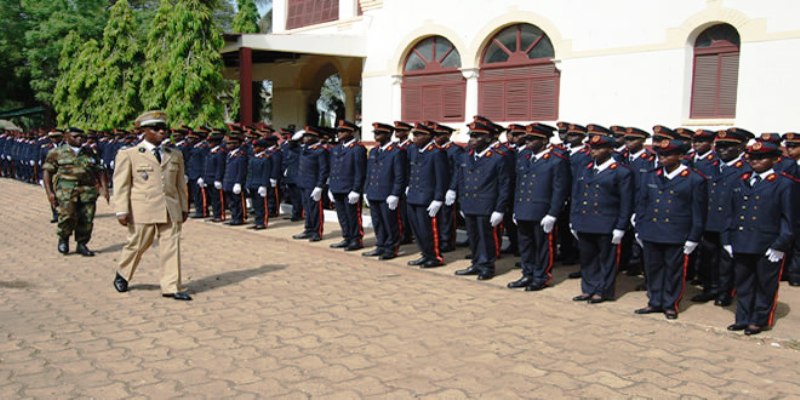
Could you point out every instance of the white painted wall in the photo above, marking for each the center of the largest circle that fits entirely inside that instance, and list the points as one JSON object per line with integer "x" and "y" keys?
{"x": 625, "y": 62}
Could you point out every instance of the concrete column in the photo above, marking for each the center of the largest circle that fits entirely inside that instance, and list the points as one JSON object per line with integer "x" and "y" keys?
{"x": 246, "y": 85}
{"x": 347, "y": 9}
{"x": 471, "y": 102}
{"x": 350, "y": 93}
{"x": 280, "y": 11}
{"x": 397, "y": 97}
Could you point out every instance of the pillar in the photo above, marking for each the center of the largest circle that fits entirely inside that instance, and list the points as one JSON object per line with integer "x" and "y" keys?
{"x": 246, "y": 85}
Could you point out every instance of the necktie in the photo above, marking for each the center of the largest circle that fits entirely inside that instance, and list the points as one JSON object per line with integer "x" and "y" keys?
{"x": 157, "y": 153}
{"x": 755, "y": 180}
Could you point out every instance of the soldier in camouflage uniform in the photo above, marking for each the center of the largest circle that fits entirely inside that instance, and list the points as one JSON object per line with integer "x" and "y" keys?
{"x": 72, "y": 178}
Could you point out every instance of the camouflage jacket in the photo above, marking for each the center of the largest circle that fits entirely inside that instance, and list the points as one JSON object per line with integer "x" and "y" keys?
{"x": 68, "y": 168}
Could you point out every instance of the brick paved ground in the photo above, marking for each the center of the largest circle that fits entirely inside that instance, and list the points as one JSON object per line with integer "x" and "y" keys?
{"x": 279, "y": 318}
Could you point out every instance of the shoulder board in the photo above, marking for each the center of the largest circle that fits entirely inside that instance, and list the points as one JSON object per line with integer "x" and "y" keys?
{"x": 746, "y": 176}
{"x": 613, "y": 166}
{"x": 710, "y": 157}
{"x": 527, "y": 156}
{"x": 685, "y": 173}
{"x": 390, "y": 148}
{"x": 739, "y": 164}
{"x": 772, "y": 177}
{"x": 660, "y": 172}
{"x": 590, "y": 165}
{"x": 699, "y": 173}
{"x": 489, "y": 154}
{"x": 447, "y": 146}
{"x": 790, "y": 176}
{"x": 584, "y": 150}
{"x": 559, "y": 155}
{"x": 546, "y": 156}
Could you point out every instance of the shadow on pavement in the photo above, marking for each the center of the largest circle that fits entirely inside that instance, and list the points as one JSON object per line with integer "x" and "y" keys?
{"x": 229, "y": 278}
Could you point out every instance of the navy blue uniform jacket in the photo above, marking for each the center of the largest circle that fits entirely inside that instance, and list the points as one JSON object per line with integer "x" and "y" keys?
{"x": 543, "y": 185}
{"x": 386, "y": 173}
{"x": 671, "y": 211}
{"x": 348, "y": 168}
{"x": 427, "y": 176}
{"x": 602, "y": 202}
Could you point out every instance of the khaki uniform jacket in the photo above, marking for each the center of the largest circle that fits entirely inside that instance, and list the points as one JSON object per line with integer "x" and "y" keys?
{"x": 147, "y": 191}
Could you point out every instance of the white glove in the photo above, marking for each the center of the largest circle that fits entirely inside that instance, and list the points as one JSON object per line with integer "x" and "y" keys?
{"x": 548, "y": 222}
{"x": 262, "y": 191}
{"x": 406, "y": 190}
{"x": 330, "y": 197}
{"x": 237, "y": 188}
{"x": 111, "y": 164}
{"x": 392, "y": 202}
{"x": 273, "y": 182}
{"x": 353, "y": 197}
{"x": 433, "y": 208}
{"x": 514, "y": 218}
{"x": 616, "y": 236}
{"x": 285, "y": 173}
{"x": 201, "y": 182}
{"x": 774, "y": 255}
{"x": 316, "y": 194}
{"x": 496, "y": 218}
{"x": 32, "y": 163}
{"x": 450, "y": 198}
{"x": 41, "y": 182}
{"x": 639, "y": 241}
{"x": 633, "y": 220}
{"x": 689, "y": 247}
{"x": 218, "y": 185}
{"x": 186, "y": 178}
{"x": 728, "y": 249}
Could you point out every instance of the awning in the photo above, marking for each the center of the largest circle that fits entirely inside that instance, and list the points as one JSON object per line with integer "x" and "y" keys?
{"x": 270, "y": 47}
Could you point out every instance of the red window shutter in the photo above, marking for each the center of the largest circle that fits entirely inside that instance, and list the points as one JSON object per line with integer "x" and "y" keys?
{"x": 432, "y": 103}
{"x": 728, "y": 83}
{"x": 454, "y": 102}
{"x": 544, "y": 99}
{"x": 490, "y": 100}
{"x": 438, "y": 97}
{"x": 412, "y": 103}
{"x": 517, "y": 100}
{"x": 523, "y": 93}
{"x": 310, "y": 12}
{"x": 704, "y": 86}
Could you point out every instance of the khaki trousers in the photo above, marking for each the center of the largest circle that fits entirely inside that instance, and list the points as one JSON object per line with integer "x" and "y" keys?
{"x": 140, "y": 237}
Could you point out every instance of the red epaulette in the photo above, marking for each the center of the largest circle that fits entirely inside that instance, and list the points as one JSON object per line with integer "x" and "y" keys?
{"x": 790, "y": 176}
{"x": 746, "y": 176}
{"x": 590, "y": 165}
{"x": 559, "y": 155}
{"x": 685, "y": 173}
{"x": 739, "y": 164}
{"x": 613, "y": 166}
{"x": 772, "y": 177}
{"x": 699, "y": 173}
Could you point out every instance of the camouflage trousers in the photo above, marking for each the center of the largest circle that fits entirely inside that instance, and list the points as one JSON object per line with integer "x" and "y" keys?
{"x": 76, "y": 207}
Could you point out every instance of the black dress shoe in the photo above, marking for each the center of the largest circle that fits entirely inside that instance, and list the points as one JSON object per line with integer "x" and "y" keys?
{"x": 431, "y": 264}
{"x": 753, "y": 330}
{"x": 648, "y": 310}
{"x": 178, "y": 296}
{"x": 314, "y": 238}
{"x": 120, "y": 284}
{"x": 386, "y": 256}
{"x": 472, "y": 270}
{"x": 354, "y": 246}
{"x": 340, "y": 245}
{"x": 447, "y": 249}
{"x": 520, "y": 283}
{"x": 468, "y": 256}
{"x": 196, "y": 216}
{"x": 293, "y": 219}
{"x": 216, "y": 220}
{"x": 696, "y": 281}
{"x": 373, "y": 253}
{"x": 794, "y": 283}
{"x": 574, "y": 275}
{"x": 703, "y": 297}
{"x": 234, "y": 223}
{"x": 737, "y": 327}
{"x": 518, "y": 264}
{"x": 723, "y": 300}
{"x": 597, "y": 300}
{"x": 418, "y": 261}
{"x": 304, "y": 235}
{"x": 485, "y": 276}
{"x": 259, "y": 227}
{"x": 54, "y": 220}
{"x": 84, "y": 251}
{"x": 535, "y": 287}
{"x": 583, "y": 297}
{"x": 63, "y": 246}
{"x": 671, "y": 314}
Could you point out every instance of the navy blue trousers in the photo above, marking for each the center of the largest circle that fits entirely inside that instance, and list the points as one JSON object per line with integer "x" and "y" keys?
{"x": 315, "y": 218}
{"x": 217, "y": 200}
{"x": 425, "y": 230}
{"x": 349, "y": 216}
{"x": 237, "y": 206}
{"x": 406, "y": 228}
{"x": 199, "y": 198}
{"x": 294, "y": 195}
{"x": 260, "y": 215}
{"x": 446, "y": 219}
{"x": 716, "y": 266}
{"x": 665, "y": 267}
{"x": 385, "y": 222}
{"x": 536, "y": 250}
{"x": 598, "y": 258}
{"x": 757, "y": 281}
{"x": 484, "y": 241}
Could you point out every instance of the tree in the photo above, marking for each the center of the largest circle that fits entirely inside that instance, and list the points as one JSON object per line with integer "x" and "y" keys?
{"x": 120, "y": 59}
{"x": 15, "y": 90}
{"x": 183, "y": 68}
{"x": 246, "y": 18}
{"x": 67, "y": 68}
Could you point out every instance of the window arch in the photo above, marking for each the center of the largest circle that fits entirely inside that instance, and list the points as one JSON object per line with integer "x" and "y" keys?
{"x": 715, "y": 73}
{"x": 433, "y": 87}
{"x": 519, "y": 80}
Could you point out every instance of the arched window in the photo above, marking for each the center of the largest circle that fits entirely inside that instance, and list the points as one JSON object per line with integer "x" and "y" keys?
{"x": 433, "y": 87}
{"x": 716, "y": 73}
{"x": 519, "y": 80}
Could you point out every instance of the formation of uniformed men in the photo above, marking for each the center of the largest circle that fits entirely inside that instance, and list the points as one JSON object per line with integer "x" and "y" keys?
{"x": 696, "y": 206}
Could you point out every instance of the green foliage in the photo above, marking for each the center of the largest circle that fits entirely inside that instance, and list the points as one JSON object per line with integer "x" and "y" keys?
{"x": 14, "y": 88}
{"x": 246, "y": 19}
{"x": 120, "y": 59}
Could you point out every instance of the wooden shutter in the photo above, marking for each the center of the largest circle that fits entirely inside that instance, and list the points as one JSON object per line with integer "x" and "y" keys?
{"x": 544, "y": 99}
{"x": 521, "y": 93}
{"x": 714, "y": 84}
{"x": 728, "y": 83}
{"x": 438, "y": 97}
{"x": 311, "y": 12}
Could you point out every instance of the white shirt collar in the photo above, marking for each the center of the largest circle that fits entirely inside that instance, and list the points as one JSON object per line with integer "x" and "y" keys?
{"x": 351, "y": 141}
{"x": 427, "y": 146}
{"x": 573, "y": 150}
{"x": 483, "y": 152}
{"x": 386, "y": 146}
{"x": 702, "y": 156}
{"x": 636, "y": 155}
{"x": 149, "y": 146}
{"x": 602, "y": 167}
{"x": 234, "y": 152}
{"x": 734, "y": 161}
{"x": 75, "y": 149}
{"x": 766, "y": 173}
{"x": 620, "y": 149}
{"x": 261, "y": 153}
{"x": 674, "y": 173}
{"x": 541, "y": 154}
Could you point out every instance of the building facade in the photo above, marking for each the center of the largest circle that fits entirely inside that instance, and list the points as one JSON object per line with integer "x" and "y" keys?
{"x": 693, "y": 63}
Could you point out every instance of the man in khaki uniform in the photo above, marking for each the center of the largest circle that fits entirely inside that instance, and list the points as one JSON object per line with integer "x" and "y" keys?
{"x": 150, "y": 199}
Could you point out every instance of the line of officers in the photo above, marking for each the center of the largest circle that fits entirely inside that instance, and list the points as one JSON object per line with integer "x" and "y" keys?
{"x": 697, "y": 203}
